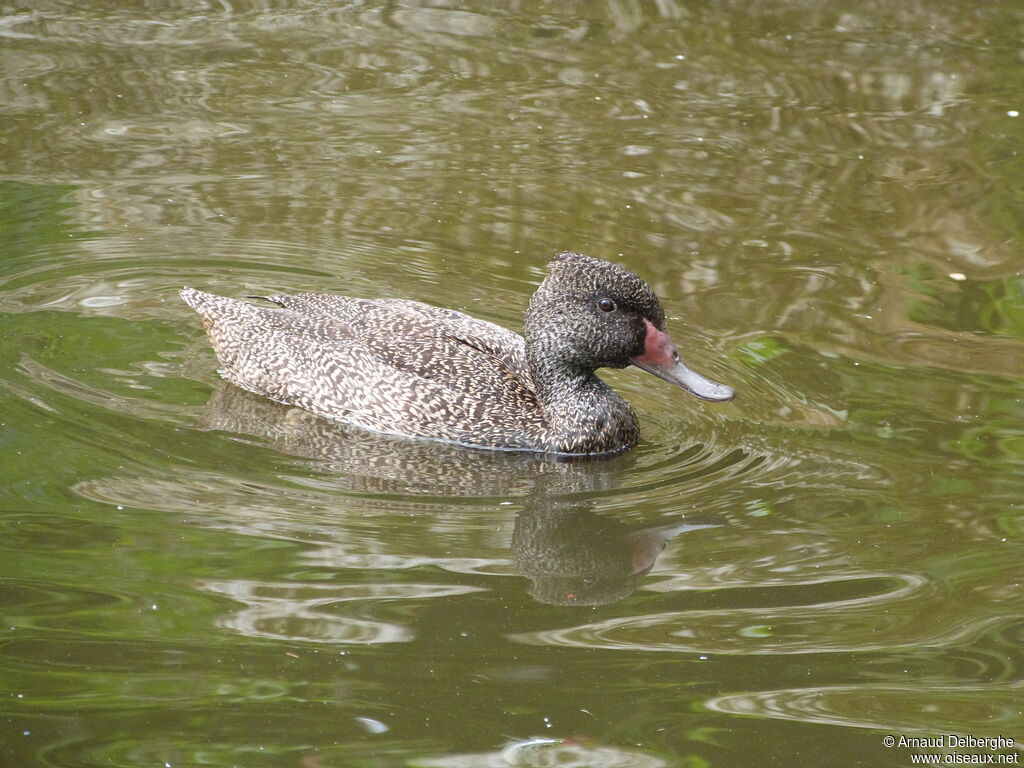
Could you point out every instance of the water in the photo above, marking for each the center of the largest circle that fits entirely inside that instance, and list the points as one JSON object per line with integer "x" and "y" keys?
{"x": 828, "y": 199}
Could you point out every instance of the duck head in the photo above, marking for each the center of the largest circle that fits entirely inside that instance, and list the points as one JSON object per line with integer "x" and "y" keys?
{"x": 590, "y": 314}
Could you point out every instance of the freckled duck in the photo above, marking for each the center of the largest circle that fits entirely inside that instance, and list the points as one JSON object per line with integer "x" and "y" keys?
{"x": 402, "y": 367}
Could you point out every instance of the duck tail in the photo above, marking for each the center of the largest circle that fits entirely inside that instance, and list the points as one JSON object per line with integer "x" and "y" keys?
{"x": 196, "y": 299}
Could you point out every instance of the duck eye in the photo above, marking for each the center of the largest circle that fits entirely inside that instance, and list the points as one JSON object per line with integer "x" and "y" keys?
{"x": 606, "y": 305}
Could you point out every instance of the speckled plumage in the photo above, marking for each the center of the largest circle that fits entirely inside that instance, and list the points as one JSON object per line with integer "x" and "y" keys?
{"x": 402, "y": 367}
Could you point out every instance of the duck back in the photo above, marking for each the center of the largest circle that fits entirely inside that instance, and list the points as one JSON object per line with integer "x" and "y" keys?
{"x": 395, "y": 366}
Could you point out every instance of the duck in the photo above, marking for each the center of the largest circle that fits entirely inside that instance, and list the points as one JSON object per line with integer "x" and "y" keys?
{"x": 402, "y": 367}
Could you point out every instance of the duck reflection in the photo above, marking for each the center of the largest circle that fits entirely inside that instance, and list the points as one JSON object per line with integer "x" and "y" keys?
{"x": 574, "y": 556}
{"x": 571, "y": 554}
{"x": 379, "y": 463}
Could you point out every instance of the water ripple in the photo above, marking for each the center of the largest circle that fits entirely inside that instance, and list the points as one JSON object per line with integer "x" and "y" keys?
{"x": 978, "y": 710}
{"x": 542, "y": 752}
{"x": 898, "y": 617}
{"x": 309, "y": 612}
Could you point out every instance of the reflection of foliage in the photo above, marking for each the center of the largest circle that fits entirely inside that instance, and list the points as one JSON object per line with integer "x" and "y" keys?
{"x": 1003, "y": 200}
{"x": 86, "y": 389}
{"x": 992, "y": 442}
{"x": 996, "y": 147}
{"x": 69, "y": 348}
{"x": 941, "y": 420}
{"x": 991, "y": 306}
{"x": 32, "y": 216}
{"x": 759, "y": 351}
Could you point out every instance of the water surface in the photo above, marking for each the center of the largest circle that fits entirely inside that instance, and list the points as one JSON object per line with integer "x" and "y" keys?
{"x": 828, "y": 199}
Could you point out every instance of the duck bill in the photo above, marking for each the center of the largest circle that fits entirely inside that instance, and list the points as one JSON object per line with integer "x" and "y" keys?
{"x": 660, "y": 358}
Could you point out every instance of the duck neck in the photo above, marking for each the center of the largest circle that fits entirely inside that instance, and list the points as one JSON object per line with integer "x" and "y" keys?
{"x": 584, "y": 414}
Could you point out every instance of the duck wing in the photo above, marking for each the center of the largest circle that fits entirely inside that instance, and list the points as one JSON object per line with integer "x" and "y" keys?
{"x": 423, "y": 339}
{"x": 394, "y": 366}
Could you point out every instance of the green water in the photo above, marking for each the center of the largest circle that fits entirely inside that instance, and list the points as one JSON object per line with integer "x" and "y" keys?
{"x": 829, "y": 199}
